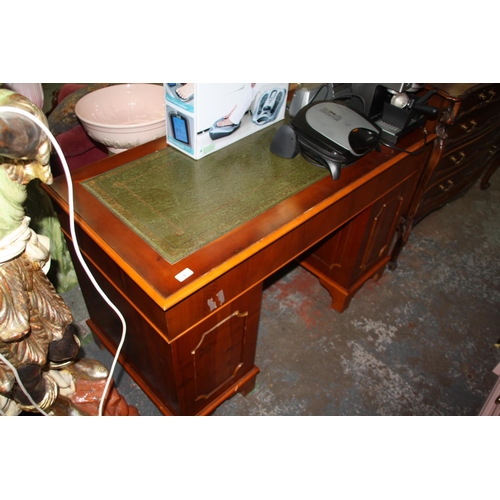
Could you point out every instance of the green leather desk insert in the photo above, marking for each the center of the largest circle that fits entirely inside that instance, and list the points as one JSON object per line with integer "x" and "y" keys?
{"x": 178, "y": 205}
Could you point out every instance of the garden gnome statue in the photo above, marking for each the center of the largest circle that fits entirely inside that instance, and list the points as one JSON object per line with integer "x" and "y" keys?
{"x": 36, "y": 333}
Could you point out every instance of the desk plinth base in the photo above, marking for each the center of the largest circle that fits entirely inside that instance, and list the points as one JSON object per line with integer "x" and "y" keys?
{"x": 341, "y": 296}
{"x": 244, "y": 386}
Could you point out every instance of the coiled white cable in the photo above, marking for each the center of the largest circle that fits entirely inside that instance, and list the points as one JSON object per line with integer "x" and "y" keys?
{"x": 71, "y": 210}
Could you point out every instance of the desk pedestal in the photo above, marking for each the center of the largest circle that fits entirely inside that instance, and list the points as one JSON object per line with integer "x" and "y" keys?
{"x": 192, "y": 374}
{"x": 360, "y": 249}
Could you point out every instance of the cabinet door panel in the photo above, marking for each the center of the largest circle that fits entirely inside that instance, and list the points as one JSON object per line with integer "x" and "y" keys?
{"x": 360, "y": 249}
{"x": 385, "y": 218}
{"x": 218, "y": 352}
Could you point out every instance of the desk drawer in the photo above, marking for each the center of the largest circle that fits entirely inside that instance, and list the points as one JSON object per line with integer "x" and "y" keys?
{"x": 486, "y": 96}
{"x": 448, "y": 187}
{"x": 470, "y": 124}
{"x": 456, "y": 159}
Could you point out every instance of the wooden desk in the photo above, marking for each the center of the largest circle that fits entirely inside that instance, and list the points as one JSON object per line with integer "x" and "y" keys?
{"x": 191, "y": 345}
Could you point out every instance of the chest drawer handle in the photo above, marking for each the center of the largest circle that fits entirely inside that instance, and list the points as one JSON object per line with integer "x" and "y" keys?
{"x": 445, "y": 188}
{"x": 469, "y": 129}
{"x": 462, "y": 157}
{"x": 485, "y": 98}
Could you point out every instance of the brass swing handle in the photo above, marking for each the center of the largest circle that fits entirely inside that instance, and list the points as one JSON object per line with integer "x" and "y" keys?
{"x": 462, "y": 156}
{"x": 484, "y": 97}
{"x": 445, "y": 188}
{"x": 468, "y": 129}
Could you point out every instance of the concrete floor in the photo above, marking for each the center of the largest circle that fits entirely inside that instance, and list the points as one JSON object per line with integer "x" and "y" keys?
{"x": 420, "y": 341}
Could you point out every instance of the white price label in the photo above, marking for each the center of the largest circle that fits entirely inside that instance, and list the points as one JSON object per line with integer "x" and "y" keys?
{"x": 186, "y": 273}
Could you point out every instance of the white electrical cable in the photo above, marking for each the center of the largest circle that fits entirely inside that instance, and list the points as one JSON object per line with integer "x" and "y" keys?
{"x": 71, "y": 210}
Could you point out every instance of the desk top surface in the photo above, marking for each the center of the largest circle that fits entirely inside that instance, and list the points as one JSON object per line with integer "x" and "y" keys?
{"x": 261, "y": 197}
{"x": 178, "y": 205}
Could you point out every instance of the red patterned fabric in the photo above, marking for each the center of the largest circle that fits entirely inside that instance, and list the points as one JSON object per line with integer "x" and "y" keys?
{"x": 79, "y": 149}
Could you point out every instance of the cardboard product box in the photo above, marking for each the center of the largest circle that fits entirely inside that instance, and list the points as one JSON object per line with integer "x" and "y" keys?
{"x": 205, "y": 117}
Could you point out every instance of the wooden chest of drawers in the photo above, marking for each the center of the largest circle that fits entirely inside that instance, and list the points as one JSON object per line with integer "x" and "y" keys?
{"x": 466, "y": 146}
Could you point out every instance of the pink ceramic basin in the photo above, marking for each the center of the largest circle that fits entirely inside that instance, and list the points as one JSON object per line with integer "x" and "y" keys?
{"x": 123, "y": 116}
